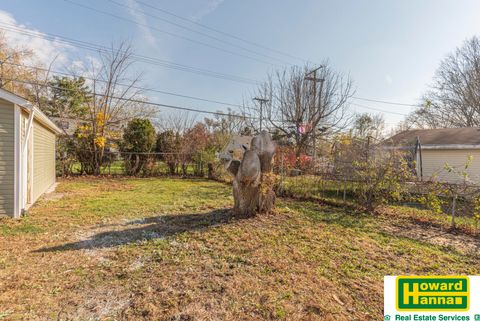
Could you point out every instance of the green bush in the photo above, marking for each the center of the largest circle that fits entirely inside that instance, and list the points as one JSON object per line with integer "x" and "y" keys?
{"x": 139, "y": 140}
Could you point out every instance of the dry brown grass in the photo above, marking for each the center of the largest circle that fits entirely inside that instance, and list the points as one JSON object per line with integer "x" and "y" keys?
{"x": 170, "y": 250}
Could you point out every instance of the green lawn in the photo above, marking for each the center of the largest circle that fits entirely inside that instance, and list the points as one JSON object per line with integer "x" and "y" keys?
{"x": 118, "y": 168}
{"x": 338, "y": 192}
{"x": 169, "y": 249}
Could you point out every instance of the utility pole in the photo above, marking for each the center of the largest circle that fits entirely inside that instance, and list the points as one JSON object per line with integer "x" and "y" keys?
{"x": 312, "y": 76}
{"x": 261, "y": 101}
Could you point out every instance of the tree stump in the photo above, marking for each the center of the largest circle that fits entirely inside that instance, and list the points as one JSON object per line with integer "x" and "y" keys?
{"x": 253, "y": 183}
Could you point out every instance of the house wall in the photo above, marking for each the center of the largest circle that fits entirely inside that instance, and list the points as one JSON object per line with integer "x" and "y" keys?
{"x": 43, "y": 159}
{"x": 7, "y": 158}
{"x": 433, "y": 161}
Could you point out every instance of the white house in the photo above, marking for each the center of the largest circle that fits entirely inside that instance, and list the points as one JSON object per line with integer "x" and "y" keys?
{"x": 433, "y": 148}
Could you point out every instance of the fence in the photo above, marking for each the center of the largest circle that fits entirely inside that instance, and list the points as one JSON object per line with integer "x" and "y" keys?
{"x": 357, "y": 176}
{"x": 140, "y": 164}
{"x": 369, "y": 175}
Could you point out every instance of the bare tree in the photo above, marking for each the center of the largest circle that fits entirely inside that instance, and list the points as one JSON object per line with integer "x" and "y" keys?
{"x": 368, "y": 125}
{"x": 178, "y": 122}
{"x": 114, "y": 94}
{"x": 453, "y": 99}
{"x": 14, "y": 75}
{"x": 231, "y": 123}
{"x": 295, "y": 111}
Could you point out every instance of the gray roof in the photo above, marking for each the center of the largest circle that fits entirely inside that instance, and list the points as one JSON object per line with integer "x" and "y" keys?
{"x": 468, "y": 136}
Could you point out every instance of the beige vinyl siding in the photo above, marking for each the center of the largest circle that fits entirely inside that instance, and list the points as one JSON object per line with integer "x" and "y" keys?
{"x": 7, "y": 158}
{"x": 43, "y": 159}
{"x": 434, "y": 164}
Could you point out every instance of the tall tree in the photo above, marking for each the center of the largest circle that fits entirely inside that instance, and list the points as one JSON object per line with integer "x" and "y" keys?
{"x": 302, "y": 109}
{"x": 17, "y": 76}
{"x": 114, "y": 94}
{"x": 69, "y": 98}
{"x": 453, "y": 99}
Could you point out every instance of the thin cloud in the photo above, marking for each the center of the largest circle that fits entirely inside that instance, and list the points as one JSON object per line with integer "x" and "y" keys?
{"x": 388, "y": 79}
{"x": 134, "y": 10}
{"x": 210, "y": 6}
{"x": 45, "y": 50}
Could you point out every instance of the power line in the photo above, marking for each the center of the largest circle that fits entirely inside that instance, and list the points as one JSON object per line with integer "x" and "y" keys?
{"x": 385, "y": 102}
{"x": 168, "y": 33}
{"x": 221, "y": 32}
{"x": 174, "y": 94}
{"x": 191, "y": 109}
{"x": 136, "y": 57}
{"x": 153, "y": 90}
{"x": 125, "y": 85}
{"x": 198, "y": 32}
{"x": 379, "y": 110}
{"x": 138, "y": 101}
{"x": 162, "y": 63}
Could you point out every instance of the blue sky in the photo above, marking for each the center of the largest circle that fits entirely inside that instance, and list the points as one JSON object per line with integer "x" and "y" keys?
{"x": 390, "y": 48}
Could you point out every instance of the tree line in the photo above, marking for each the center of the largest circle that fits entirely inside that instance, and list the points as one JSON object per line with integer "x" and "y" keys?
{"x": 102, "y": 99}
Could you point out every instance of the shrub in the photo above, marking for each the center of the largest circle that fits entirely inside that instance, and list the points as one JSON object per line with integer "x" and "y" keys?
{"x": 139, "y": 140}
{"x": 382, "y": 178}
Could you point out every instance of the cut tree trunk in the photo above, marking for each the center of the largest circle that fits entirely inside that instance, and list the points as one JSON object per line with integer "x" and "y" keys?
{"x": 253, "y": 183}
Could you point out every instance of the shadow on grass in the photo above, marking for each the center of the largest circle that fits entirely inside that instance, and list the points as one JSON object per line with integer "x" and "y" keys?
{"x": 157, "y": 227}
{"x": 331, "y": 215}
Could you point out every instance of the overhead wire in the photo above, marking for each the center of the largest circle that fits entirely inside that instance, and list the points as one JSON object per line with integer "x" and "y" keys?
{"x": 167, "y": 64}
{"x": 378, "y": 109}
{"x": 220, "y": 31}
{"x": 138, "y": 101}
{"x": 140, "y": 58}
{"x": 66, "y": 74}
{"x": 148, "y": 14}
{"x": 385, "y": 102}
{"x": 168, "y": 32}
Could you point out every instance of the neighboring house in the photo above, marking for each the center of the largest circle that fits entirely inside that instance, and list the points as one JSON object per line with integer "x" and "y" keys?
{"x": 431, "y": 149}
{"x": 235, "y": 148}
{"x": 68, "y": 126}
{"x": 27, "y": 154}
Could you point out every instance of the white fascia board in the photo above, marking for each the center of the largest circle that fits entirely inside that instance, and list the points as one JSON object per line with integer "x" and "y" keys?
{"x": 17, "y": 100}
{"x": 42, "y": 118}
{"x": 17, "y": 185}
{"x": 435, "y": 146}
{"x": 39, "y": 115}
{"x": 451, "y": 146}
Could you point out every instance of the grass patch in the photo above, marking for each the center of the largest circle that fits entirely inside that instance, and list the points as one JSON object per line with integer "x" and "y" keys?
{"x": 170, "y": 249}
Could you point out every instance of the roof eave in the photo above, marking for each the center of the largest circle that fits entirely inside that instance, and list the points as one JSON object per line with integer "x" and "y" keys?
{"x": 42, "y": 118}
{"x": 450, "y": 146}
{"x": 437, "y": 146}
{"x": 29, "y": 107}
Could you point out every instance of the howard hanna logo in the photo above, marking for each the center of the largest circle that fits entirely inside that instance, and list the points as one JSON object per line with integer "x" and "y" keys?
{"x": 432, "y": 293}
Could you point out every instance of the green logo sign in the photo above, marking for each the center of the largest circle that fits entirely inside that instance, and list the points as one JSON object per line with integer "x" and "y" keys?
{"x": 432, "y": 293}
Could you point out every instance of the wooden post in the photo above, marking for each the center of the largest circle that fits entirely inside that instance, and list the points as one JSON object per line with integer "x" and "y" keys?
{"x": 454, "y": 202}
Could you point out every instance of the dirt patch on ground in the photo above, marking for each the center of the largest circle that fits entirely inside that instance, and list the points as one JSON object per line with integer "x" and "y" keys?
{"x": 95, "y": 304}
{"x": 461, "y": 242}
